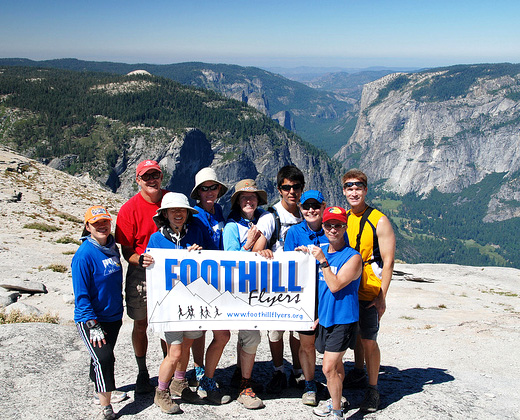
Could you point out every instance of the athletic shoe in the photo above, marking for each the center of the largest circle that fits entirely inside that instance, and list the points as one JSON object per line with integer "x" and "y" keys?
{"x": 371, "y": 402}
{"x": 115, "y": 397}
{"x": 324, "y": 408}
{"x": 355, "y": 378}
{"x": 297, "y": 381}
{"x": 142, "y": 384}
{"x": 249, "y": 399}
{"x": 181, "y": 388}
{"x": 277, "y": 383}
{"x": 208, "y": 390}
{"x": 309, "y": 396}
{"x": 108, "y": 413}
{"x": 164, "y": 401}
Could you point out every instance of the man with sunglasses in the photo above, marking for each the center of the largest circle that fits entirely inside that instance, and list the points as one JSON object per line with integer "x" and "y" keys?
{"x": 134, "y": 227}
{"x": 274, "y": 225}
{"x": 369, "y": 232}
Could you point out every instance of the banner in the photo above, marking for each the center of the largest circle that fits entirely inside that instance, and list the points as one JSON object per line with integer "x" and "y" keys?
{"x": 230, "y": 290}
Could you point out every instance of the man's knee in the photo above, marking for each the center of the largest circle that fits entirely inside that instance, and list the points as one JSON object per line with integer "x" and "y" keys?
{"x": 369, "y": 346}
{"x": 249, "y": 340}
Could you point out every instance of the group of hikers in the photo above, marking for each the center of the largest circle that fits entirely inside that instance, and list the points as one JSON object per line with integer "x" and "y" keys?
{"x": 354, "y": 253}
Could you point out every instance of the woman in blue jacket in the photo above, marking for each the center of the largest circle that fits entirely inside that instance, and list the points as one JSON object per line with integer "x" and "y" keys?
{"x": 97, "y": 281}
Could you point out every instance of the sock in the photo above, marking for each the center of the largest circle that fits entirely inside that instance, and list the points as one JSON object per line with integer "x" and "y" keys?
{"x": 180, "y": 374}
{"x": 338, "y": 412}
{"x": 141, "y": 364}
{"x": 279, "y": 368}
{"x": 163, "y": 386}
{"x": 373, "y": 386}
{"x": 297, "y": 372}
{"x": 199, "y": 372}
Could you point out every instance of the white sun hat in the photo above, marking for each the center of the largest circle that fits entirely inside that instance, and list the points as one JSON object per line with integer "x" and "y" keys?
{"x": 172, "y": 200}
{"x": 206, "y": 174}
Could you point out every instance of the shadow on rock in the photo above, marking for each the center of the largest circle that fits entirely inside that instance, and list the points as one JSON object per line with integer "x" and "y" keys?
{"x": 394, "y": 384}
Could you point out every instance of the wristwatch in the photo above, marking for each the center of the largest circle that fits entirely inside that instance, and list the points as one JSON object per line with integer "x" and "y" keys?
{"x": 324, "y": 264}
{"x": 141, "y": 260}
{"x": 91, "y": 323}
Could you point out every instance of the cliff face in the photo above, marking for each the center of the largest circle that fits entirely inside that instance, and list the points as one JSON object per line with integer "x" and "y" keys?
{"x": 444, "y": 129}
{"x": 259, "y": 158}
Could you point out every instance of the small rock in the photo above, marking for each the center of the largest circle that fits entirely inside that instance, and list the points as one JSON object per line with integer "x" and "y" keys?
{"x": 24, "y": 286}
{"x": 24, "y": 309}
{"x": 8, "y": 298}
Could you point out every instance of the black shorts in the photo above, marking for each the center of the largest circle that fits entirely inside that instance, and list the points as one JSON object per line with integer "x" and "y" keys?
{"x": 336, "y": 338}
{"x": 368, "y": 321}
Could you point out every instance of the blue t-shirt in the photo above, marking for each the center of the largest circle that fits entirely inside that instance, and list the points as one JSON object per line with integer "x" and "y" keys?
{"x": 211, "y": 224}
{"x": 302, "y": 234}
{"x": 341, "y": 307}
{"x": 97, "y": 281}
{"x": 192, "y": 236}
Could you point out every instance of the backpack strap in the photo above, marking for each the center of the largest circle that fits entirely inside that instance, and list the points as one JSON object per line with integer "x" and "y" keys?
{"x": 362, "y": 222}
{"x": 277, "y": 227}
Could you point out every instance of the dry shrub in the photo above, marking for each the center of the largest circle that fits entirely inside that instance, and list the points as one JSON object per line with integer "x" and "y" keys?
{"x": 16, "y": 317}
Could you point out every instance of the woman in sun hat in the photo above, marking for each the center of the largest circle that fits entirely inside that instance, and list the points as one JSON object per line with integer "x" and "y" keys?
{"x": 174, "y": 219}
{"x": 97, "y": 280}
{"x": 208, "y": 189}
{"x": 241, "y": 234}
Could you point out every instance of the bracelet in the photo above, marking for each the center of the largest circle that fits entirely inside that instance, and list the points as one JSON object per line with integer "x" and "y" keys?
{"x": 141, "y": 260}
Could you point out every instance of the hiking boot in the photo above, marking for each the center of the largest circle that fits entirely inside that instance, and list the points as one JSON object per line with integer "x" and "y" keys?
{"x": 208, "y": 390}
{"x": 371, "y": 402}
{"x": 355, "y": 378}
{"x": 181, "y": 388}
{"x": 277, "y": 383}
{"x": 324, "y": 408}
{"x": 249, "y": 399}
{"x": 142, "y": 383}
{"x": 309, "y": 396}
{"x": 107, "y": 413}
{"x": 297, "y": 381}
{"x": 115, "y": 397}
{"x": 236, "y": 381}
{"x": 164, "y": 401}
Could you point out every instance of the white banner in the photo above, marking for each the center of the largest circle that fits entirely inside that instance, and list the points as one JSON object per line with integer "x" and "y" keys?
{"x": 230, "y": 290}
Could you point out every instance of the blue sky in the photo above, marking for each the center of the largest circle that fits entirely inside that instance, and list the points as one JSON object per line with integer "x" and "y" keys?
{"x": 265, "y": 33}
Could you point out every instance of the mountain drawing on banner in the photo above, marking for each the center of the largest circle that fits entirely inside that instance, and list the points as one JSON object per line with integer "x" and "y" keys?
{"x": 201, "y": 296}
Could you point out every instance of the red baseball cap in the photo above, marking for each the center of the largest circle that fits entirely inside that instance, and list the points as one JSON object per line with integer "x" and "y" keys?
{"x": 335, "y": 213}
{"x": 147, "y": 165}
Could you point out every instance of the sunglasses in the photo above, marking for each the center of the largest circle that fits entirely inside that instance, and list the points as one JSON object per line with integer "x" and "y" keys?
{"x": 356, "y": 183}
{"x": 329, "y": 226}
{"x": 308, "y": 206}
{"x": 287, "y": 187}
{"x": 210, "y": 188}
{"x": 147, "y": 176}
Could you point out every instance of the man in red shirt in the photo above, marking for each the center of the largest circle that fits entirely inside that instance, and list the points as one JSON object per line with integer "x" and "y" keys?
{"x": 134, "y": 227}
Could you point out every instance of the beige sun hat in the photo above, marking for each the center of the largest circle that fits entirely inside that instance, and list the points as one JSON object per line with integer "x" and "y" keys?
{"x": 249, "y": 185}
{"x": 206, "y": 174}
{"x": 172, "y": 200}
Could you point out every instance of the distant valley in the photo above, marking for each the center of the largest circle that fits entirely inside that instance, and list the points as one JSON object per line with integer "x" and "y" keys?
{"x": 441, "y": 146}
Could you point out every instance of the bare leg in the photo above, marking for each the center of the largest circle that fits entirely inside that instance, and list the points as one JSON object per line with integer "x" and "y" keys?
{"x": 247, "y": 361}
{"x": 307, "y": 355}
{"x": 169, "y": 363}
{"x": 373, "y": 359}
{"x": 214, "y": 351}
{"x": 359, "y": 354}
{"x": 198, "y": 350}
{"x": 294, "y": 343}
{"x": 277, "y": 352}
{"x": 139, "y": 337}
{"x": 335, "y": 373}
{"x": 104, "y": 398}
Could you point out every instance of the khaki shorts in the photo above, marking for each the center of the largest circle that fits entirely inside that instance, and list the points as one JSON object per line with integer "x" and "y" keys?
{"x": 249, "y": 340}
{"x": 177, "y": 337}
{"x": 135, "y": 292}
{"x": 275, "y": 336}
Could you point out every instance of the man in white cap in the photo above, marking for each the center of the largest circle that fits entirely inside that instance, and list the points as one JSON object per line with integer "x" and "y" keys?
{"x": 134, "y": 227}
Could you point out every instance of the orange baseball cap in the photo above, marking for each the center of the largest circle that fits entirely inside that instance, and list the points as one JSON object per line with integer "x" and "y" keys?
{"x": 96, "y": 213}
